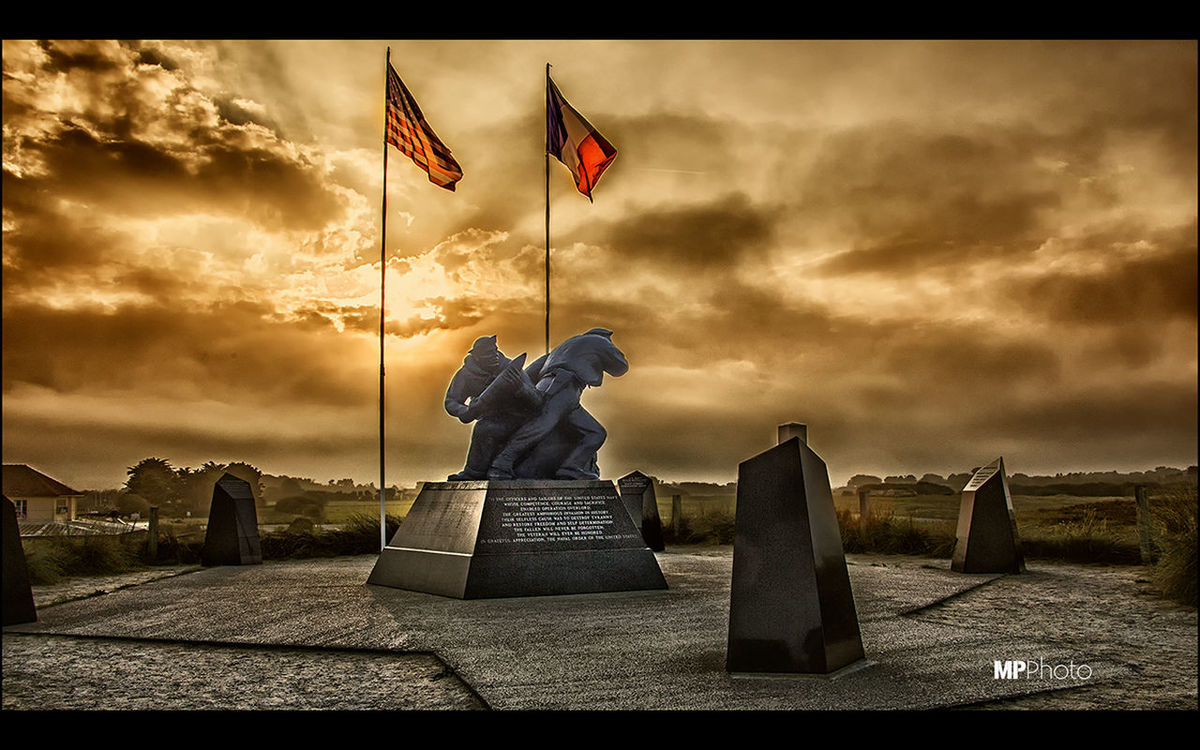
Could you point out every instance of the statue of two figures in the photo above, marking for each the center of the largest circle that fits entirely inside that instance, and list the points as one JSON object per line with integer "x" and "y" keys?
{"x": 529, "y": 423}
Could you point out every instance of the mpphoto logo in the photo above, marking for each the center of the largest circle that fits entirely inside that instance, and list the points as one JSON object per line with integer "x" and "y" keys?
{"x": 1040, "y": 670}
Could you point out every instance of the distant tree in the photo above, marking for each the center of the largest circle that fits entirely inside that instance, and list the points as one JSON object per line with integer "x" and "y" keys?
{"x": 128, "y": 503}
{"x": 860, "y": 479}
{"x": 197, "y": 485}
{"x": 155, "y": 480}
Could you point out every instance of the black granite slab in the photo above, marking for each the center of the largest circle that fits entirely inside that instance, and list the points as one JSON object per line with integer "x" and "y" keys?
{"x": 791, "y": 608}
{"x": 232, "y": 534}
{"x": 987, "y": 539}
{"x": 18, "y": 596}
{"x": 637, "y": 492}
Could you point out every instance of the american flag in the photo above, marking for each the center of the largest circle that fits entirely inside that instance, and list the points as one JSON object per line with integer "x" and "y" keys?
{"x": 408, "y": 131}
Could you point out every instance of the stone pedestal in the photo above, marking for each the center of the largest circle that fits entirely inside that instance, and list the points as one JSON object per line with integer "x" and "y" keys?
{"x": 791, "y": 610}
{"x": 637, "y": 492}
{"x": 521, "y": 537}
{"x": 987, "y": 540}
{"x": 232, "y": 535}
{"x": 18, "y": 596}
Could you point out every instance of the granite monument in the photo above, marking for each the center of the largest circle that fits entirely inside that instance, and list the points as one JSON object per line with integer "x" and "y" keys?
{"x": 987, "y": 540}
{"x": 791, "y": 609}
{"x": 18, "y": 595}
{"x": 637, "y": 492}
{"x": 232, "y": 535}
{"x": 528, "y": 515}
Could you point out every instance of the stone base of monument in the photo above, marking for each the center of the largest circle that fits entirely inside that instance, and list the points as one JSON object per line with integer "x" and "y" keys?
{"x": 521, "y": 537}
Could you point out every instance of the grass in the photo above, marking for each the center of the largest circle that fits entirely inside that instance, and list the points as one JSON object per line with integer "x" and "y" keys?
{"x": 359, "y": 535}
{"x": 1089, "y": 538}
{"x": 887, "y": 534}
{"x": 50, "y": 560}
{"x": 715, "y": 527}
{"x": 337, "y": 512}
{"x": 1175, "y": 519}
{"x": 1060, "y": 527}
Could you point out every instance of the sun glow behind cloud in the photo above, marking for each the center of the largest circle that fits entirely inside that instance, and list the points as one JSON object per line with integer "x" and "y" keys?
{"x": 926, "y": 250}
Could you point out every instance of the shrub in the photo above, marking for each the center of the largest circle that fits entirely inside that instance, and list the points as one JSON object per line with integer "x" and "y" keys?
{"x": 304, "y": 506}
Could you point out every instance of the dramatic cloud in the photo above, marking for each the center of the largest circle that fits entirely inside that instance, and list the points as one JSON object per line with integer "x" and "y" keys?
{"x": 931, "y": 252}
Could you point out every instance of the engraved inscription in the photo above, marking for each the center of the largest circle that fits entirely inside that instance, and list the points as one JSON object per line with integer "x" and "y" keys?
{"x": 982, "y": 476}
{"x": 579, "y": 518}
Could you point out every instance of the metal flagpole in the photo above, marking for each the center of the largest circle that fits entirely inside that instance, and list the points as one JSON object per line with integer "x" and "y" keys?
{"x": 382, "y": 316}
{"x": 547, "y": 208}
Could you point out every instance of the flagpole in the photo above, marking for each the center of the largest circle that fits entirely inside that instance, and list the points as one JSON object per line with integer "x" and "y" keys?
{"x": 382, "y": 316}
{"x": 547, "y": 208}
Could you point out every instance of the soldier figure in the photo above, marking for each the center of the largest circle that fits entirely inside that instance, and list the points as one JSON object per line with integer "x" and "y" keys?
{"x": 494, "y": 422}
{"x": 575, "y": 364}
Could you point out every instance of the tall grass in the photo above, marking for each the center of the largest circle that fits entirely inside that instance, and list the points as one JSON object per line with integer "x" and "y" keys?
{"x": 1174, "y": 516}
{"x": 709, "y": 528}
{"x": 886, "y": 534}
{"x": 1089, "y": 539}
{"x": 52, "y": 559}
{"x": 359, "y": 535}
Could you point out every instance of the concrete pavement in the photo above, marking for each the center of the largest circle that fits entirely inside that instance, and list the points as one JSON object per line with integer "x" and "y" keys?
{"x": 312, "y": 634}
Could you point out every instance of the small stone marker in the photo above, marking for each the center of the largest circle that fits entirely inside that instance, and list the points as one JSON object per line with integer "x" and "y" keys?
{"x": 232, "y": 536}
{"x": 786, "y": 432}
{"x": 677, "y": 516}
{"x": 987, "y": 540}
{"x": 519, "y": 537}
{"x": 864, "y": 506}
{"x": 637, "y": 492}
{"x": 1145, "y": 524}
{"x": 152, "y": 537}
{"x": 791, "y": 610}
{"x": 18, "y": 596}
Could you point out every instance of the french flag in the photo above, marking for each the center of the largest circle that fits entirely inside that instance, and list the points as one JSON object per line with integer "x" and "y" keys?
{"x": 571, "y": 140}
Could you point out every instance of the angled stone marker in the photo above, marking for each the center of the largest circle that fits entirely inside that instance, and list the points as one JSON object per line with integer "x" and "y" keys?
{"x": 637, "y": 492}
{"x": 232, "y": 536}
{"x": 18, "y": 596}
{"x": 517, "y": 537}
{"x": 987, "y": 540}
{"x": 791, "y": 610}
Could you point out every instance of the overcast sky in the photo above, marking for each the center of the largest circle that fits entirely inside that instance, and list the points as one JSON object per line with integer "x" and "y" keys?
{"x": 932, "y": 253}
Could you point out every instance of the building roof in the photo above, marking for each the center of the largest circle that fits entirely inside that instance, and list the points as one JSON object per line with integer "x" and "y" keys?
{"x": 22, "y": 481}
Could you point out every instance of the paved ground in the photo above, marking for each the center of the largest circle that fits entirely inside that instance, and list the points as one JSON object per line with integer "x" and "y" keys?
{"x": 312, "y": 634}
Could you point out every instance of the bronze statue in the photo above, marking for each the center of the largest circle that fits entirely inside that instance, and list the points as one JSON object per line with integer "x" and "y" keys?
{"x": 529, "y": 421}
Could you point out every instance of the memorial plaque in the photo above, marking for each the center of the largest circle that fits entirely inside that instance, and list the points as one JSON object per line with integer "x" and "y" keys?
{"x": 501, "y": 538}
{"x": 232, "y": 535}
{"x": 987, "y": 540}
{"x": 791, "y": 610}
{"x": 18, "y": 596}
{"x": 637, "y": 492}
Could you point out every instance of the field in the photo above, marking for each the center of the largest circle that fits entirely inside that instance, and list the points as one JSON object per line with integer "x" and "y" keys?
{"x": 1031, "y": 510}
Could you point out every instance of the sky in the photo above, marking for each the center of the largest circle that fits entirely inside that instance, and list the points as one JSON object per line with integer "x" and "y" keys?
{"x": 932, "y": 253}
